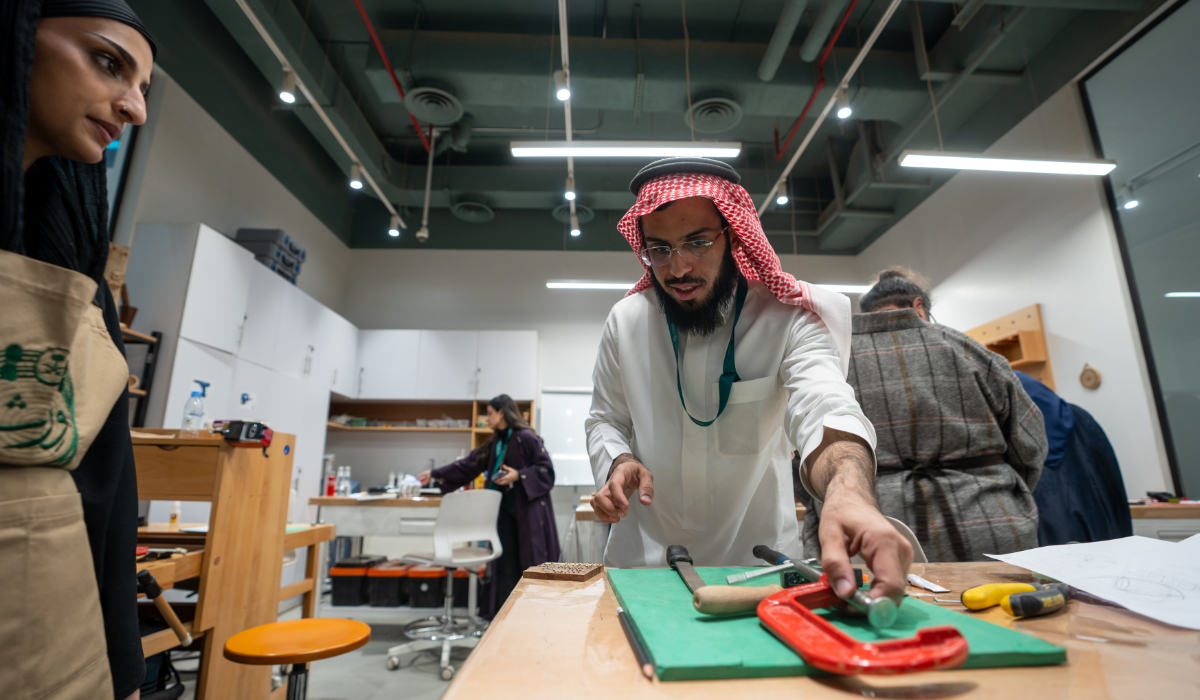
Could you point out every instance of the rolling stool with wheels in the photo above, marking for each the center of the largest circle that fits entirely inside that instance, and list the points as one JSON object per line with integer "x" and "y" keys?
{"x": 463, "y": 517}
{"x": 296, "y": 643}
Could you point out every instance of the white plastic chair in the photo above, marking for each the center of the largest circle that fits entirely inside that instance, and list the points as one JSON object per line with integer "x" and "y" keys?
{"x": 463, "y": 517}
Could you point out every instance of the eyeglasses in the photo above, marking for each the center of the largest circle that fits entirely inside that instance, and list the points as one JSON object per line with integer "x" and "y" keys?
{"x": 689, "y": 251}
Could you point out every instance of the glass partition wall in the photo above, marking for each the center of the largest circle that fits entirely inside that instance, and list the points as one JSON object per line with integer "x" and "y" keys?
{"x": 1144, "y": 108}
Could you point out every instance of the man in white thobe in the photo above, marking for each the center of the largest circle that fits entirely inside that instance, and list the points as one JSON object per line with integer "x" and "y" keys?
{"x": 710, "y": 459}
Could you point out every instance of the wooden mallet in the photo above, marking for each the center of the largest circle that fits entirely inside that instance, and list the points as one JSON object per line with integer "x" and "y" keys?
{"x": 150, "y": 588}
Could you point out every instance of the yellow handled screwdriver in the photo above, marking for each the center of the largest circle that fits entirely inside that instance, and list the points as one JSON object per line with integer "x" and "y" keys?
{"x": 988, "y": 595}
{"x": 1040, "y": 602}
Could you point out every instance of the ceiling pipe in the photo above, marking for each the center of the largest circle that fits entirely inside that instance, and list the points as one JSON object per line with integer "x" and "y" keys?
{"x": 951, "y": 86}
{"x": 784, "y": 29}
{"x": 780, "y": 150}
{"x": 822, "y": 25}
{"x": 316, "y": 107}
{"x": 566, "y": 68}
{"x": 423, "y": 234}
{"x": 858, "y": 60}
{"x": 391, "y": 71}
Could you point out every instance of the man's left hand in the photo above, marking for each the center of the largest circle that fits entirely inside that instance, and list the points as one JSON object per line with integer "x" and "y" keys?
{"x": 851, "y": 525}
{"x": 505, "y": 478}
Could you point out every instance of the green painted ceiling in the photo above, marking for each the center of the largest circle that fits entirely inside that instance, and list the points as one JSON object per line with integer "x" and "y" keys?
{"x": 496, "y": 57}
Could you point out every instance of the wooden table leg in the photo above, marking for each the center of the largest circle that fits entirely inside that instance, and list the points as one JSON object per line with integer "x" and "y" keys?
{"x": 312, "y": 569}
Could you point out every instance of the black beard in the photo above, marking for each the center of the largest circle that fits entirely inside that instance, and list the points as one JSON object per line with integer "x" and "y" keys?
{"x": 702, "y": 320}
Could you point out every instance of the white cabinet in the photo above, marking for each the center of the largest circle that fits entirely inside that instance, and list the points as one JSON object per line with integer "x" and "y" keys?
{"x": 507, "y": 364}
{"x": 298, "y": 336}
{"x": 264, "y": 309}
{"x": 198, "y": 362}
{"x": 265, "y": 395}
{"x": 388, "y": 362}
{"x": 447, "y": 368}
{"x": 338, "y": 354}
{"x": 217, "y": 290}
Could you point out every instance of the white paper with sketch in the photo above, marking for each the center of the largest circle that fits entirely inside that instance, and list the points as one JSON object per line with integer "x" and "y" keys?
{"x": 1154, "y": 578}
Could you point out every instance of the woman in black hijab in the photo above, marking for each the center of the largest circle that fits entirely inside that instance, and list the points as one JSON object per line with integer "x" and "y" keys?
{"x": 73, "y": 74}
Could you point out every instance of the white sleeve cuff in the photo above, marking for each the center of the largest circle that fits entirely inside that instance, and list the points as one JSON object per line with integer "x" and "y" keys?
{"x": 846, "y": 424}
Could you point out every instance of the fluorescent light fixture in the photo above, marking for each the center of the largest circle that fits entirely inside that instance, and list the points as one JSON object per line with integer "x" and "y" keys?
{"x": 781, "y": 200}
{"x": 623, "y": 286}
{"x": 624, "y": 149}
{"x": 1176, "y": 295}
{"x": 967, "y": 161}
{"x": 356, "y": 176}
{"x": 1131, "y": 204}
{"x": 562, "y": 90}
{"x": 287, "y": 92}
{"x": 843, "y": 104}
{"x": 847, "y": 288}
{"x": 395, "y": 226}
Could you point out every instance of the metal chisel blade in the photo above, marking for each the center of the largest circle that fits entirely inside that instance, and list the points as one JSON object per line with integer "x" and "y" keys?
{"x": 689, "y": 576}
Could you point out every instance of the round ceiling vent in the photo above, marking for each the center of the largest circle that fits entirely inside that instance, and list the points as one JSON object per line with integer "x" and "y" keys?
{"x": 715, "y": 114}
{"x": 429, "y": 104}
{"x": 562, "y": 213}
{"x": 473, "y": 212}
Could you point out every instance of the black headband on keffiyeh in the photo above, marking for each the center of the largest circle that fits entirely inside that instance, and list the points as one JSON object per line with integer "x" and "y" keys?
{"x": 110, "y": 9}
{"x": 679, "y": 178}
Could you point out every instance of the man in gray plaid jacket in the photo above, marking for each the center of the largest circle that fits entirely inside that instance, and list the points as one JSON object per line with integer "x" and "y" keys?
{"x": 961, "y": 445}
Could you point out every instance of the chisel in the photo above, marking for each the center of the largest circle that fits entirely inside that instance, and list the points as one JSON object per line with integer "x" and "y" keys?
{"x": 715, "y": 600}
{"x": 881, "y": 612}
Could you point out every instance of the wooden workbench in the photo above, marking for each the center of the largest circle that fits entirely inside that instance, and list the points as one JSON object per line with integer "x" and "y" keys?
{"x": 557, "y": 640}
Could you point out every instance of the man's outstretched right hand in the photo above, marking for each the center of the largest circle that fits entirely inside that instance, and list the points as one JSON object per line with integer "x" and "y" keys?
{"x": 611, "y": 502}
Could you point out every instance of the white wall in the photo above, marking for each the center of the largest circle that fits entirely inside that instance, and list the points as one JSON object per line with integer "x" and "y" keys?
{"x": 993, "y": 243}
{"x": 194, "y": 171}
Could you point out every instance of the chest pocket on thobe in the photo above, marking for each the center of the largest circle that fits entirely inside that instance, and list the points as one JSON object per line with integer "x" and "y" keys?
{"x": 750, "y": 418}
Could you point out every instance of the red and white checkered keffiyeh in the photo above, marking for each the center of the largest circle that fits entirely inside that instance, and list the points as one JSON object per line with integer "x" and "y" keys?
{"x": 755, "y": 258}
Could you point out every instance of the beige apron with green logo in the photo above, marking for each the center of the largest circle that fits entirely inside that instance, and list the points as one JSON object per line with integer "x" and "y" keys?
{"x": 60, "y": 375}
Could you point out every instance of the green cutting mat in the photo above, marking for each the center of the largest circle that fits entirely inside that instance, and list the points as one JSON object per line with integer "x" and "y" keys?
{"x": 686, "y": 645}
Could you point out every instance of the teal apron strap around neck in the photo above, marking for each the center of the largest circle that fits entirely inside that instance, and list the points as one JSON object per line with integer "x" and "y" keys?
{"x": 501, "y": 450}
{"x": 729, "y": 373}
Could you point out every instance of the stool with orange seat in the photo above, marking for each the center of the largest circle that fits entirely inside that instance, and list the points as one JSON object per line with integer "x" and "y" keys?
{"x": 296, "y": 642}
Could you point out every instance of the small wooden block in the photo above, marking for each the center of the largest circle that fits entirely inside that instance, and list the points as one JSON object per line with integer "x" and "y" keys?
{"x": 553, "y": 571}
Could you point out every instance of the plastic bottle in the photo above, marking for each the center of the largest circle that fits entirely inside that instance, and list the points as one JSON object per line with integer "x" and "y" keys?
{"x": 175, "y": 511}
{"x": 193, "y": 412}
{"x": 346, "y": 484}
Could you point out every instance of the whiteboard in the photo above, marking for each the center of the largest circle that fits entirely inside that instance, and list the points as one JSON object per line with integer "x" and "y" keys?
{"x": 563, "y": 412}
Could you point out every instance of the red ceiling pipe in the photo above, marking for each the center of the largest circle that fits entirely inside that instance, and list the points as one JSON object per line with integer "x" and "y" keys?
{"x": 820, "y": 82}
{"x": 392, "y": 73}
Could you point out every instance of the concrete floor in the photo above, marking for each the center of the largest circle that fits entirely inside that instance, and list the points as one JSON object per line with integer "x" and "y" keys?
{"x": 361, "y": 674}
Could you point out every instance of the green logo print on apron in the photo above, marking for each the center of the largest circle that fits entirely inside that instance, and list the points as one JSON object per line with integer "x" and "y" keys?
{"x": 37, "y": 407}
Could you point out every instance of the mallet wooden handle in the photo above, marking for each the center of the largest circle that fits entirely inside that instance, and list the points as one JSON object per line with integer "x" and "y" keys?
{"x": 164, "y": 609}
{"x": 731, "y": 600}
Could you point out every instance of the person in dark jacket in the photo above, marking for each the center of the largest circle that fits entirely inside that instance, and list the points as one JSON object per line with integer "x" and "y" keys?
{"x": 517, "y": 465}
{"x": 73, "y": 76}
{"x": 1081, "y": 495}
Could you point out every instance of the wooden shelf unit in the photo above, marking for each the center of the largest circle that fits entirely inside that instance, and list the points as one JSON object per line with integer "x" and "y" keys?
{"x": 239, "y": 560}
{"x": 1020, "y": 338}
{"x": 397, "y": 411}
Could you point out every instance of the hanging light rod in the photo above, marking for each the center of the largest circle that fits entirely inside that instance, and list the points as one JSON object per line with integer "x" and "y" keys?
{"x": 967, "y": 161}
{"x": 623, "y": 149}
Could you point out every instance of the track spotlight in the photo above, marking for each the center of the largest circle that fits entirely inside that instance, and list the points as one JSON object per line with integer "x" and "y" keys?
{"x": 1131, "y": 204}
{"x": 843, "y": 104}
{"x": 356, "y": 176}
{"x": 395, "y": 226}
{"x": 575, "y": 226}
{"x": 782, "y": 200}
{"x": 287, "y": 92}
{"x": 561, "y": 87}
{"x": 570, "y": 191}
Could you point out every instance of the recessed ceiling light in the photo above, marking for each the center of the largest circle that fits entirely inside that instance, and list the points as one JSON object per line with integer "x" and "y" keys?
{"x": 624, "y": 149}
{"x": 967, "y": 161}
{"x": 590, "y": 285}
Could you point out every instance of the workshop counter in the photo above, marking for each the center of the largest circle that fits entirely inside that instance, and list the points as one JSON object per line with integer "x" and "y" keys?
{"x": 555, "y": 639}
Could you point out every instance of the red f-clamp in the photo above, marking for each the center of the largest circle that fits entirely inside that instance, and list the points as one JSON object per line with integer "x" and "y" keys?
{"x": 789, "y": 616}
